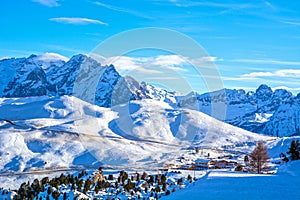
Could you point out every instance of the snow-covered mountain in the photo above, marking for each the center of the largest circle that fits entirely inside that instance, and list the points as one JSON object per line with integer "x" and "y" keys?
{"x": 264, "y": 111}
{"x": 81, "y": 76}
{"x": 21, "y": 77}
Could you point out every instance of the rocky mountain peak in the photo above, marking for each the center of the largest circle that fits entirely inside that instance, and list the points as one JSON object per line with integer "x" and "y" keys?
{"x": 264, "y": 92}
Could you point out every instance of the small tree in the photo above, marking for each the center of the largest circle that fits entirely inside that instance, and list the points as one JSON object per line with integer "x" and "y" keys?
{"x": 294, "y": 150}
{"x": 144, "y": 176}
{"x": 197, "y": 149}
{"x": 246, "y": 159}
{"x": 190, "y": 178}
{"x": 110, "y": 177}
{"x": 259, "y": 157}
{"x": 283, "y": 157}
{"x": 238, "y": 168}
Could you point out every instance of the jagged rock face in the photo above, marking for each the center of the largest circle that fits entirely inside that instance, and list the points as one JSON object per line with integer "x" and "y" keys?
{"x": 60, "y": 80}
{"x": 106, "y": 87}
{"x": 21, "y": 78}
{"x": 285, "y": 120}
{"x": 263, "y": 93}
{"x": 253, "y": 111}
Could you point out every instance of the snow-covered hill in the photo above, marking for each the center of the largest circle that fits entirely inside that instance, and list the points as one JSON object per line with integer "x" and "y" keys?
{"x": 42, "y": 132}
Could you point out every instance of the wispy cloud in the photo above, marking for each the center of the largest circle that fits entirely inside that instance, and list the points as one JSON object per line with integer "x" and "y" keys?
{"x": 168, "y": 60}
{"x": 49, "y": 3}
{"x": 77, "y": 20}
{"x": 270, "y": 5}
{"x": 119, "y": 9}
{"x": 267, "y": 61}
{"x": 287, "y": 88}
{"x": 126, "y": 64}
{"x": 173, "y": 62}
{"x": 186, "y": 3}
{"x": 289, "y": 73}
{"x": 290, "y": 22}
{"x": 240, "y": 78}
{"x": 207, "y": 59}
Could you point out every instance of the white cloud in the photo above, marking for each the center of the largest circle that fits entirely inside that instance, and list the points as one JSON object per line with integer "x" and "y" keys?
{"x": 186, "y": 3}
{"x": 169, "y": 60}
{"x": 49, "y": 56}
{"x": 268, "y": 61}
{"x": 294, "y": 23}
{"x": 150, "y": 64}
{"x": 206, "y": 59}
{"x": 49, "y": 3}
{"x": 257, "y": 74}
{"x": 291, "y": 73}
{"x": 240, "y": 78}
{"x": 77, "y": 20}
{"x": 125, "y": 64}
{"x": 287, "y": 88}
{"x": 178, "y": 69}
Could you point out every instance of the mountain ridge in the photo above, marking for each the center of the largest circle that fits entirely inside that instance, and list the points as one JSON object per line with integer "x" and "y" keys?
{"x": 257, "y": 111}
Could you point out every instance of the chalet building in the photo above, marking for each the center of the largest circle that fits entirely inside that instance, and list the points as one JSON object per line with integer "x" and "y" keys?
{"x": 202, "y": 163}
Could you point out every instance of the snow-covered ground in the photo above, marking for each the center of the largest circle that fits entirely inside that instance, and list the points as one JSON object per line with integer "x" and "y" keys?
{"x": 233, "y": 185}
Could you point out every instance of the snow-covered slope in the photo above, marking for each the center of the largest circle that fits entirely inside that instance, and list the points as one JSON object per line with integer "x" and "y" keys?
{"x": 65, "y": 131}
{"x": 258, "y": 111}
{"x": 233, "y": 185}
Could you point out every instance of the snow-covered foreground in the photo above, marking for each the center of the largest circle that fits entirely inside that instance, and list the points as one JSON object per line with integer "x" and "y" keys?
{"x": 233, "y": 185}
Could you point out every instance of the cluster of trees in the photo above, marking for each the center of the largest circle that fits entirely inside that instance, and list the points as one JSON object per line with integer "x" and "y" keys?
{"x": 31, "y": 191}
{"x": 153, "y": 185}
{"x": 294, "y": 151}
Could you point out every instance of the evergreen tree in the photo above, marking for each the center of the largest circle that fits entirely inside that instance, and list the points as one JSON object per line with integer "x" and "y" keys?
{"x": 55, "y": 194}
{"x": 259, "y": 157}
{"x": 138, "y": 177}
{"x": 168, "y": 192}
{"x": 163, "y": 178}
{"x": 190, "y": 178}
{"x": 164, "y": 187}
{"x": 110, "y": 177}
{"x": 151, "y": 179}
{"x": 65, "y": 196}
{"x": 294, "y": 150}
{"x": 144, "y": 176}
{"x": 246, "y": 159}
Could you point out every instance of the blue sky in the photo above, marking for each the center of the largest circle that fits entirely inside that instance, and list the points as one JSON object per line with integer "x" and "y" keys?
{"x": 250, "y": 42}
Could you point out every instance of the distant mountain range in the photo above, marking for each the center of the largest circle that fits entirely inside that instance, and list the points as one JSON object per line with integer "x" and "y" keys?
{"x": 275, "y": 113}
